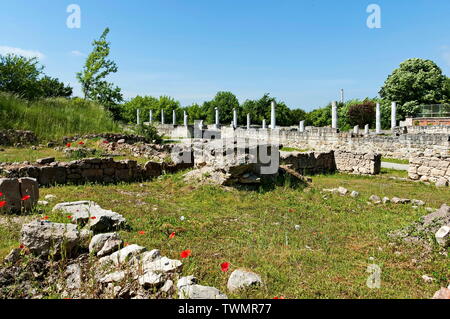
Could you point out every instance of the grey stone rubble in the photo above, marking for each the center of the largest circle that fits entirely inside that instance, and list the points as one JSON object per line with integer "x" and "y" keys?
{"x": 43, "y": 238}
{"x": 429, "y": 167}
{"x": 91, "y": 215}
{"x": 241, "y": 279}
{"x": 433, "y": 226}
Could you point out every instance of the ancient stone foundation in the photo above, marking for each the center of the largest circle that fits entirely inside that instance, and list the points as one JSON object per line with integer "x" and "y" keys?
{"x": 358, "y": 163}
{"x": 431, "y": 168}
{"x": 12, "y": 137}
{"x": 97, "y": 170}
{"x": 18, "y": 194}
{"x": 329, "y": 162}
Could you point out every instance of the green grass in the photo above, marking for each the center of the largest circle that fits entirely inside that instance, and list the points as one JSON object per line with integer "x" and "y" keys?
{"x": 388, "y": 172}
{"x": 293, "y": 149}
{"x": 394, "y": 160}
{"x": 52, "y": 119}
{"x": 327, "y": 258}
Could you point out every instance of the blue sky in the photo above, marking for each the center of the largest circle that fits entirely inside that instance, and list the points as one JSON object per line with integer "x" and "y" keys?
{"x": 302, "y": 52}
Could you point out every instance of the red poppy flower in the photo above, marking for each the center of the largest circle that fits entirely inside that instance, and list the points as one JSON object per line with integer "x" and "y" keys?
{"x": 225, "y": 266}
{"x": 70, "y": 217}
{"x": 1, "y": 194}
{"x": 68, "y": 145}
{"x": 141, "y": 232}
{"x": 126, "y": 244}
{"x": 278, "y": 297}
{"x": 45, "y": 218}
{"x": 21, "y": 246}
{"x": 93, "y": 217}
{"x": 105, "y": 142}
{"x": 2, "y": 203}
{"x": 291, "y": 210}
{"x": 185, "y": 253}
{"x": 81, "y": 143}
{"x": 26, "y": 197}
{"x": 172, "y": 235}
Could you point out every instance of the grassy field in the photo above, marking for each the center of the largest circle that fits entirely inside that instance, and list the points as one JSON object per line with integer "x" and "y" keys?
{"x": 53, "y": 119}
{"x": 326, "y": 257}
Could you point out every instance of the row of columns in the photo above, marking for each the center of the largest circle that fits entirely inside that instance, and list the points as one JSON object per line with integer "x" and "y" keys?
{"x": 334, "y": 118}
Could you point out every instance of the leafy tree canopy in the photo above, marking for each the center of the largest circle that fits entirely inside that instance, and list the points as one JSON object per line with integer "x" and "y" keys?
{"x": 415, "y": 82}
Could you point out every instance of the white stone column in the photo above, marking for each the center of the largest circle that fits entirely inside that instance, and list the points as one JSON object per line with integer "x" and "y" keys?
{"x": 393, "y": 115}
{"x": 138, "y": 116}
{"x": 174, "y": 117}
{"x": 273, "y": 116}
{"x": 356, "y": 129}
{"x": 162, "y": 116}
{"x": 302, "y": 126}
{"x": 217, "y": 117}
{"x": 248, "y": 121}
{"x": 378, "y": 119}
{"x": 151, "y": 116}
{"x": 366, "y": 129}
{"x": 264, "y": 126}
{"x": 185, "y": 118}
{"x": 334, "y": 115}
{"x": 235, "y": 120}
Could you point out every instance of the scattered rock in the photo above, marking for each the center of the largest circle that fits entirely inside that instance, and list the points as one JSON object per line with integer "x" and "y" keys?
{"x": 200, "y": 292}
{"x": 13, "y": 256}
{"x": 342, "y": 191}
{"x": 121, "y": 256}
{"x": 113, "y": 277}
{"x": 375, "y": 199}
{"x": 427, "y": 278}
{"x": 396, "y": 200}
{"x": 43, "y": 203}
{"x": 417, "y": 202}
{"x": 50, "y": 197}
{"x": 441, "y": 182}
{"x": 74, "y": 279}
{"x": 354, "y": 194}
{"x": 162, "y": 265}
{"x": 43, "y": 238}
{"x": 46, "y": 160}
{"x": 90, "y": 214}
{"x": 443, "y": 236}
{"x": 242, "y": 279}
{"x": 99, "y": 241}
{"x": 186, "y": 281}
{"x": 386, "y": 200}
{"x": 151, "y": 280}
{"x": 443, "y": 293}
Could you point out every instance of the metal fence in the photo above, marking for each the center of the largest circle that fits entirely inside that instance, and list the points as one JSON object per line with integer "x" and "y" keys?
{"x": 435, "y": 110}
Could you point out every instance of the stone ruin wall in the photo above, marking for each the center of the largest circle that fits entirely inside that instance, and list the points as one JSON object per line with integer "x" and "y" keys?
{"x": 402, "y": 146}
{"x": 95, "y": 170}
{"x": 434, "y": 169}
{"x": 331, "y": 161}
{"x": 13, "y": 137}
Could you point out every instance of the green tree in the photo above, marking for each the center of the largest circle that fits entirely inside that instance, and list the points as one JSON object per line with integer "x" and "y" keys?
{"x": 24, "y": 77}
{"x": 19, "y": 75}
{"x": 362, "y": 114}
{"x": 147, "y": 103}
{"x": 96, "y": 69}
{"x": 195, "y": 112}
{"x": 225, "y": 102}
{"x": 260, "y": 109}
{"x": 447, "y": 89}
{"x": 52, "y": 87}
{"x": 415, "y": 82}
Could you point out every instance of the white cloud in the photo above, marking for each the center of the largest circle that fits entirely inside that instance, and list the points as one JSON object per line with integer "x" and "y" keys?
{"x": 18, "y": 51}
{"x": 77, "y": 53}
